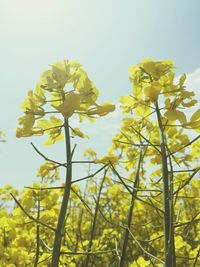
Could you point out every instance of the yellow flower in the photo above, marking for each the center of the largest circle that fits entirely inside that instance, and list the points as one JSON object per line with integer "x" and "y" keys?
{"x": 70, "y": 104}
{"x": 195, "y": 120}
{"x": 21, "y": 132}
{"x": 173, "y": 115}
{"x": 108, "y": 159}
{"x": 157, "y": 68}
{"x": 152, "y": 91}
{"x": 78, "y": 132}
{"x": 102, "y": 109}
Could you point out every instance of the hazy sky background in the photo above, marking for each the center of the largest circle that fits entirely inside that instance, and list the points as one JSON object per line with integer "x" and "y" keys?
{"x": 106, "y": 36}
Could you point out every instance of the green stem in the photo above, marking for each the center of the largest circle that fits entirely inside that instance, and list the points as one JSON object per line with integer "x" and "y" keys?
{"x": 172, "y": 241}
{"x": 168, "y": 220}
{"x": 94, "y": 221}
{"x": 37, "y": 235}
{"x": 80, "y": 220}
{"x": 65, "y": 200}
{"x": 130, "y": 213}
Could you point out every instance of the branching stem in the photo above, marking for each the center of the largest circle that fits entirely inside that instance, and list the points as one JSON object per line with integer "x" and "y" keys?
{"x": 65, "y": 200}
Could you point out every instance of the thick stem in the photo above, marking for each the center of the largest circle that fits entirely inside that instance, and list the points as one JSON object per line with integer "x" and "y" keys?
{"x": 64, "y": 204}
{"x": 130, "y": 213}
{"x": 168, "y": 213}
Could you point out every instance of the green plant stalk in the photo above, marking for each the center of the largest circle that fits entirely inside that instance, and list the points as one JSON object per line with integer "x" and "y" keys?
{"x": 168, "y": 219}
{"x": 196, "y": 258}
{"x": 130, "y": 213}
{"x": 78, "y": 235}
{"x": 94, "y": 220}
{"x": 37, "y": 235}
{"x": 65, "y": 200}
{"x": 172, "y": 242}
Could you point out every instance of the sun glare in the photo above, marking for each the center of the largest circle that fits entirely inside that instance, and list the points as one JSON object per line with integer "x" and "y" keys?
{"x": 36, "y": 8}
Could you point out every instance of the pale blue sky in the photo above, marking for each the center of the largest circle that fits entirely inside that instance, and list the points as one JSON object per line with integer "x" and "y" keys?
{"x": 106, "y": 36}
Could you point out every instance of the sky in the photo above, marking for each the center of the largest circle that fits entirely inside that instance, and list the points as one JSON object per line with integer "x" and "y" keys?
{"x": 106, "y": 37}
